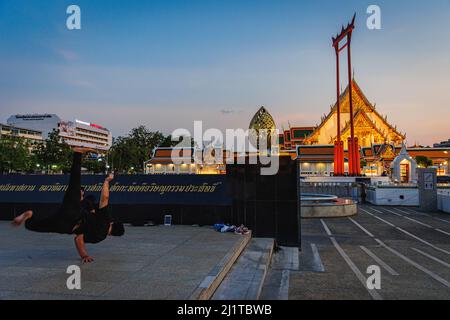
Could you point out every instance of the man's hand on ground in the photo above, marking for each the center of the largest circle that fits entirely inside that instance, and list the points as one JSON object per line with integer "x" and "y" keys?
{"x": 87, "y": 259}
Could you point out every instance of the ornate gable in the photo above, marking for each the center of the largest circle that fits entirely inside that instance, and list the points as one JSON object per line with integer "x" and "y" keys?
{"x": 365, "y": 129}
{"x": 379, "y": 127}
{"x": 388, "y": 153}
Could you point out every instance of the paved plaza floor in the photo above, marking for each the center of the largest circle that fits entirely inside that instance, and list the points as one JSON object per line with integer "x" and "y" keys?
{"x": 146, "y": 263}
{"x": 412, "y": 249}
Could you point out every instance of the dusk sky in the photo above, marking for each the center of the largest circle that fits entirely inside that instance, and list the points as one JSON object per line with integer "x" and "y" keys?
{"x": 167, "y": 63}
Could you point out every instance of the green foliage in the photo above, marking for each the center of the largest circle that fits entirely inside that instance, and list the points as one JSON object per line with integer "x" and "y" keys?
{"x": 167, "y": 142}
{"x": 424, "y": 162}
{"x": 129, "y": 153}
{"x": 54, "y": 155}
{"x": 15, "y": 155}
{"x": 95, "y": 166}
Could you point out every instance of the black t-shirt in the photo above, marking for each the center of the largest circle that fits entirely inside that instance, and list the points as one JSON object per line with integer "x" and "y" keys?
{"x": 94, "y": 226}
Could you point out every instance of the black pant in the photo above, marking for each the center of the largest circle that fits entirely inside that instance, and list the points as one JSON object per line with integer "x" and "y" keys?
{"x": 69, "y": 214}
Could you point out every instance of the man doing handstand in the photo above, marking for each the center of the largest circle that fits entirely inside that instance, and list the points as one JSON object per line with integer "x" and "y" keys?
{"x": 77, "y": 215}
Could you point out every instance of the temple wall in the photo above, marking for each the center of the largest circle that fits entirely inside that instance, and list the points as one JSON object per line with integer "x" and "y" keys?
{"x": 393, "y": 196}
{"x": 444, "y": 201}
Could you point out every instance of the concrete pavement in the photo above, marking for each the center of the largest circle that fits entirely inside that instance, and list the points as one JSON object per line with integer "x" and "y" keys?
{"x": 411, "y": 248}
{"x": 147, "y": 263}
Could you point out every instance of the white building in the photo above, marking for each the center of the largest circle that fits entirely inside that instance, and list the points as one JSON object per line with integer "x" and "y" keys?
{"x": 44, "y": 123}
{"x": 404, "y": 167}
{"x": 84, "y": 134}
{"x": 74, "y": 133}
{"x": 32, "y": 136}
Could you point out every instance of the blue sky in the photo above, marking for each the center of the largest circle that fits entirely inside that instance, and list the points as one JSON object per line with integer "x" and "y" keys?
{"x": 167, "y": 63}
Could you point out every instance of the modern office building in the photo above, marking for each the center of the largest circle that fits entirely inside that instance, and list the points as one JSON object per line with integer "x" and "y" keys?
{"x": 74, "y": 133}
{"x": 83, "y": 134}
{"x": 45, "y": 123}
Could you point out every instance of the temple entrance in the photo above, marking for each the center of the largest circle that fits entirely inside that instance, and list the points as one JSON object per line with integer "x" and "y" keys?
{"x": 404, "y": 172}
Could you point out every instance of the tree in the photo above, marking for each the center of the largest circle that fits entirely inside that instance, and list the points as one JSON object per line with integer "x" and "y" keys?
{"x": 15, "y": 155}
{"x": 424, "y": 162}
{"x": 95, "y": 166}
{"x": 54, "y": 154}
{"x": 129, "y": 153}
{"x": 167, "y": 142}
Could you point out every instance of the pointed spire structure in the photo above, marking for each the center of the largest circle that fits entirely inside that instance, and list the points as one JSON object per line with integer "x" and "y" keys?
{"x": 262, "y": 120}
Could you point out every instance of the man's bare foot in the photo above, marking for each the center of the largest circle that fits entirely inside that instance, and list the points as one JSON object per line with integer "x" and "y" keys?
{"x": 19, "y": 220}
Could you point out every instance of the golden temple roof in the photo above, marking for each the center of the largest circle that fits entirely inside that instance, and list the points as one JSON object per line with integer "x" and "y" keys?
{"x": 361, "y": 105}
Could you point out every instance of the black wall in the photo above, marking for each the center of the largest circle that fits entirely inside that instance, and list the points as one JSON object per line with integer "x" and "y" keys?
{"x": 269, "y": 205}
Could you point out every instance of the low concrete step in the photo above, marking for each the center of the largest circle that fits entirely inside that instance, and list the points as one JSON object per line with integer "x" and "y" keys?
{"x": 246, "y": 278}
{"x": 209, "y": 285}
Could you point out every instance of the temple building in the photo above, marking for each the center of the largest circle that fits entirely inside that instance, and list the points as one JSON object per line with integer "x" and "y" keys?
{"x": 380, "y": 142}
{"x": 294, "y": 137}
{"x": 185, "y": 161}
{"x": 371, "y": 127}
